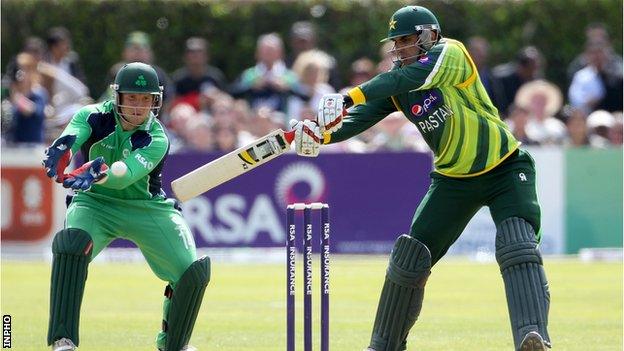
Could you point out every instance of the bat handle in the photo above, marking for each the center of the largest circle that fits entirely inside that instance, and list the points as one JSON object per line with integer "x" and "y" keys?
{"x": 290, "y": 136}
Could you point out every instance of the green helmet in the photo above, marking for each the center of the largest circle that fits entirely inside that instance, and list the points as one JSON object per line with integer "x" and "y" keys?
{"x": 138, "y": 78}
{"x": 411, "y": 20}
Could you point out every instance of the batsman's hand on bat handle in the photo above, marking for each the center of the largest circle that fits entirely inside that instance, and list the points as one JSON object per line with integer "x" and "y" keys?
{"x": 57, "y": 157}
{"x": 306, "y": 137}
{"x": 89, "y": 173}
{"x": 331, "y": 109}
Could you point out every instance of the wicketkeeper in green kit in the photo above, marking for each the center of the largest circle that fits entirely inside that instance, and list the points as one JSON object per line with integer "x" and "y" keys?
{"x": 124, "y": 201}
{"x": 435, "y": 83}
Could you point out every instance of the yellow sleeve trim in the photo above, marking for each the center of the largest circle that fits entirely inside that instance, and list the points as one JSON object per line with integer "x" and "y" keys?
{"x": 474, "y": 74}
{"x": 357, "y": 95}
{"x": 326, "y": 138}
{"x": 480, "y": 172}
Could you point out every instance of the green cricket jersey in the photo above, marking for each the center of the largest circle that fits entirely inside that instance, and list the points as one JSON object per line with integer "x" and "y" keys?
{"x": 98, "y": 132}
{"x": 440, "y": 93}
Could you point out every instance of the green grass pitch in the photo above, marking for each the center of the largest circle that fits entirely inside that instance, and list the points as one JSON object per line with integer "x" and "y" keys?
{"x": 244, "y": 306}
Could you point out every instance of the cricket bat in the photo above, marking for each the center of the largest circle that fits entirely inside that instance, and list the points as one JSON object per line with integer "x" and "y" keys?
{"x": 232, "y": 165}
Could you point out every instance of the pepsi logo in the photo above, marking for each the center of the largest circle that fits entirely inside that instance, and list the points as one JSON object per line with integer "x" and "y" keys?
{"x": 417, "y": 110}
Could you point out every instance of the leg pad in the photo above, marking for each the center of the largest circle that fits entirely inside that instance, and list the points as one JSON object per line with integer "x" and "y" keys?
{"x": 526, "y": 287}
{"x": 402, "y": 294}
{"x": 186, "y": 300}
{"x": 71, "y": 249}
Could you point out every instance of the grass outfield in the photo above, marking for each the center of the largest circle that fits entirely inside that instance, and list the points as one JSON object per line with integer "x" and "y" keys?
{"x": 244, "y": 307}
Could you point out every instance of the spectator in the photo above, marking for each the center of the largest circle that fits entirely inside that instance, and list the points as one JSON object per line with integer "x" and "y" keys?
{"x": 138, "y": 49}
{"x": 510, "y": 76}
{"x": 269, "y": 83}
{"x": 598, "y": 85}
{"x": 362, "y": 70}
{"x": 28, "y": 99}
{"x": 577, "y": 128}
{"x": 312, "y": 68}
{"x": 200, "y": 136}
{"x": 265, "y": 121}
{"x": 599, "y": 124}
{"x": 197, "y": 75}
{"x": 596, "y": 33}
{"x": 225, "y": 136}
{"x": 615, "y": 133}
{"x": 517, "y": 121}
{"x": 183, "y": 129}
{"x": 478, "y": 47}
{"x": 542, "y": 100}
{"x": 64, "y": 81}
{"x": 60, "y": 53}
{"x": 395, "y": 133}
{"x": 303, "y": 38}
{"x": 33, "y": 46}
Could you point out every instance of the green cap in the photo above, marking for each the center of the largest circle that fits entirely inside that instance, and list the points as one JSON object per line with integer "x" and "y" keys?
{"x": 137, "y": 77}
{"x": 410, "y": 20}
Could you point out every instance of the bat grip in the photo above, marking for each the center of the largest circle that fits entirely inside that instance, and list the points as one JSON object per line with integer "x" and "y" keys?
{"x": 290, "y": 136}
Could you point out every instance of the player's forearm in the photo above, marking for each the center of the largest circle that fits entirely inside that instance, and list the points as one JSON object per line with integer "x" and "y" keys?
{"x": 123, "y": 174}
{"x": 384, "y": 86}
{"x": 349, "y": 129}
{"x": 361, "y": 118}
{"x": 118, "y": 182}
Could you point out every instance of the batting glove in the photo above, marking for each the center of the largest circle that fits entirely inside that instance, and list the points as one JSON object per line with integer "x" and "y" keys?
{"x": 330, "y": 112}
{"x": 58, "y": 156}
{"x": 83, "y": 177}
{"x": 307, "y": 137}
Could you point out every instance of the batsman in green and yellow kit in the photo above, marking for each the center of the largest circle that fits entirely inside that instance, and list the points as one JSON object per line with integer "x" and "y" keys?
{"x": 477, "y": 163}
{"x": 123, "y": 201}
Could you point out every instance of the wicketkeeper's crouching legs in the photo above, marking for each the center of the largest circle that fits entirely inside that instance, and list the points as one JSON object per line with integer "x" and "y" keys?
{"x": 185, "y": 301}
{"x": 71, "y": 251}
{"x": 528, "y": 298}
{"x": 402, "y": 294}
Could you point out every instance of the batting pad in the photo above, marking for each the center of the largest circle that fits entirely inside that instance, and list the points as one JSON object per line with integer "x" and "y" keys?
{"x": 186, "y": 300}
{"x": 71, "y": 251}
{"x": 402, "y": 294}
{"x": 528, "y": 297}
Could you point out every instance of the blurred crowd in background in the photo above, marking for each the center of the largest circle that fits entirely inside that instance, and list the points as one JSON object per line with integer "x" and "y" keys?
{"x": 44, "y": 85}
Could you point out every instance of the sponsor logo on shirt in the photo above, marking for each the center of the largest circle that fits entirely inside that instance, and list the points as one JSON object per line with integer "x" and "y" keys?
{"x": 143, "y": 161}
{"x": 423, "y": 59}
{"x": 417, "y": 110}
{"x": 435, "y": 120}
{"x": 428, "y": 104}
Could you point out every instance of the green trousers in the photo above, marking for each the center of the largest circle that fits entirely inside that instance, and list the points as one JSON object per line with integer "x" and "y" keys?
{"x": 156, "y": 227}
{"x": 509, "y": 190}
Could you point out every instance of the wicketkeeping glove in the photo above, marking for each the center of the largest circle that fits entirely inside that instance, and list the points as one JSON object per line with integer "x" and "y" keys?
{"x": 89, "y": 173}
{"x": 58, "y": 156}
{"x": 330, "y": 111}
{"x": 307, "y": 137}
